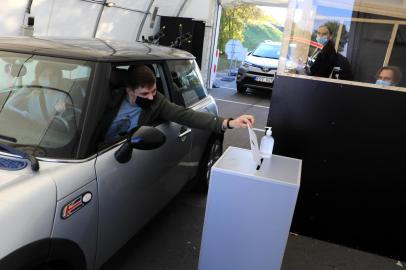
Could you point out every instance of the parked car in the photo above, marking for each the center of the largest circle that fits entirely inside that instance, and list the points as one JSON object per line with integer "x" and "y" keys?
{"x": 67, "y": 200}
{"x": 258, "y": 70}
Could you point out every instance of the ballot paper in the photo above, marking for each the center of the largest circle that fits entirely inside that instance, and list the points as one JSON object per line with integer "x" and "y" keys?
{"x": 254, "y": 147}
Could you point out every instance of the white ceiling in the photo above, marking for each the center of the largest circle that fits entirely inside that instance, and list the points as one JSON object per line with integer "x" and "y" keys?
{"x": 274, "y": 3}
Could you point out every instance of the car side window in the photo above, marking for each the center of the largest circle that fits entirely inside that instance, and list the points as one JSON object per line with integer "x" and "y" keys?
{"x": 187, "y": 81}
{"x": 42, "y": 102}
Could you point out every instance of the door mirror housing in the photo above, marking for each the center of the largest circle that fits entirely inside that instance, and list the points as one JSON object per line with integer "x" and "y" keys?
{"x": 147, "y": 138}
{"x": 143, "y": 138}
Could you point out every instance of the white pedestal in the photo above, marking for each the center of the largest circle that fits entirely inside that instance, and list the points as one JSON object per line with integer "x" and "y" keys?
{"x": 248, "y": 212}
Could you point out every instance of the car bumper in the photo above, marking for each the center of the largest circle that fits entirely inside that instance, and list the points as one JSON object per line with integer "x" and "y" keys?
{"x": 250, "y": 79}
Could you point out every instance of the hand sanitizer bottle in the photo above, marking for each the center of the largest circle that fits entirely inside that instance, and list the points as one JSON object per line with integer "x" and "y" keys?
{"x": 267, "y": 141}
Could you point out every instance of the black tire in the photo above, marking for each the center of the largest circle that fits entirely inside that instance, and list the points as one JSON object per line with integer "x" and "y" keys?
{"x": 212, "y": 153}
{"x": 241, "y": 89}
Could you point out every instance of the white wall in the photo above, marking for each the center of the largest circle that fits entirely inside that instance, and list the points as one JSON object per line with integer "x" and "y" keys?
{"x": 68, "y": 18}
{"x": 11, "y": 16}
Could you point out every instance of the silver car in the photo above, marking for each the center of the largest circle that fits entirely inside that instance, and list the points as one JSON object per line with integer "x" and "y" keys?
{"x": 67, "y": 199}
{"x": 258, "y": 70}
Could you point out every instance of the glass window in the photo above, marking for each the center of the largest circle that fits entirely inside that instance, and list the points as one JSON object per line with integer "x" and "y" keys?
{"x": 41, "y": 101}
{"x": 268, "y": 51}
{"x": 187, "y": 80}
{"x": 348, "y": 40}
{"x": 398, "y": 55}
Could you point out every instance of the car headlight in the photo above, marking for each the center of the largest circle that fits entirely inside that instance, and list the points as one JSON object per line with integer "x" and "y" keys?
{"x": 246, "y": 64}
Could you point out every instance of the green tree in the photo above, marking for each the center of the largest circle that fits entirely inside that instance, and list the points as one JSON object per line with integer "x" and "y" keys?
{"x": 234, "y": 20}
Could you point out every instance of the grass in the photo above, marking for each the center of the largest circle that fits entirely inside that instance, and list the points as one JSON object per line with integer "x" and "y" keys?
{"x": 256, "y": 33}
{"x": 224, "y": 64}
{"x": 253, "y": 35}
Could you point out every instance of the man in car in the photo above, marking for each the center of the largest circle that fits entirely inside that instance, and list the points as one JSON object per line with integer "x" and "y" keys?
{"x": 389, "y": 75}
{"x": 322, "y": 62}
{"x": 143, "y": 105}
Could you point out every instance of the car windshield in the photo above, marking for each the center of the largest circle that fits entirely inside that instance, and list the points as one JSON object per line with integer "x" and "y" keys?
{"x": 268, "y": 51}
{"x": 41, "y": 103}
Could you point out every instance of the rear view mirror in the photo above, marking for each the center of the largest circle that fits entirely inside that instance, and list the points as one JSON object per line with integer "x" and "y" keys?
{"x": 16, "y": 70}
{"x": 144, "y": 138}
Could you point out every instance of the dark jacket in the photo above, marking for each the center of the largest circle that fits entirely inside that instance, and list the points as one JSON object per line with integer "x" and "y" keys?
{"x": 162, "y": 109}
{"x": 324, "y": 61}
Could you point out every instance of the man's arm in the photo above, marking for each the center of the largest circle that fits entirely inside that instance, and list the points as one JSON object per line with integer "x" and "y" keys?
{"x": 186, "y": 116}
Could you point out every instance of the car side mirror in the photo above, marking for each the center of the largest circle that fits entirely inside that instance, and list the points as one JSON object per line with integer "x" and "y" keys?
{"x": 143, "y": 138}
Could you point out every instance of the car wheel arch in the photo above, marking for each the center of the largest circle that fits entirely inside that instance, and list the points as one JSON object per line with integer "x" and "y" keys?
{"x": 45, "y": 252}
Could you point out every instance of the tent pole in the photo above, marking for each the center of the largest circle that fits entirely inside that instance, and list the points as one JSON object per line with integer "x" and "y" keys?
{"x": 98, "y": 18}
{"x": 181, "y": 8}
{"x": 144, "y": 19}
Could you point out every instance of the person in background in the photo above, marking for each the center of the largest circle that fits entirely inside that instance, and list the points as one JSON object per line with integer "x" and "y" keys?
{"x": 322, "y": 62}
{"x": 388, "y": 76}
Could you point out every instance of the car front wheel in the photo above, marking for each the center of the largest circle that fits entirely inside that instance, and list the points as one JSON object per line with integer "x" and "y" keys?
{"x": 241, "y": 89}
{"x": 213, "y": 152}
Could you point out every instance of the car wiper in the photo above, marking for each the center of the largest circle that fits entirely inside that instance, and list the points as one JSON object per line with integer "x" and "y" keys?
{"x": 22, "y": 154}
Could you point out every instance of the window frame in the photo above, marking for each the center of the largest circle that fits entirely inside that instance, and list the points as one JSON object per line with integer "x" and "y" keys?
{"x": 178, "y": 97}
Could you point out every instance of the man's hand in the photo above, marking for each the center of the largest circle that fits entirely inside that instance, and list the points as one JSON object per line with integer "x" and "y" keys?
{"x": 243, "y": 121}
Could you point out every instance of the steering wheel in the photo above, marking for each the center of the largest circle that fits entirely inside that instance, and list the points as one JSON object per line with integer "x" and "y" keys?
{"x": 61, "y": 122}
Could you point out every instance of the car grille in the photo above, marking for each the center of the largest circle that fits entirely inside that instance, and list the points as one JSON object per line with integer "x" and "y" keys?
{"x": 261, "y": 73}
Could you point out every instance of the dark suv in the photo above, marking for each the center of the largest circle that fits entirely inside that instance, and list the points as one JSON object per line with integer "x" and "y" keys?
{"x": 259, "y": 68}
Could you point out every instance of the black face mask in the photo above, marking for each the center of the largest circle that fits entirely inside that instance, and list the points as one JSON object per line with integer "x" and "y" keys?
{"x": 144, "y": 103}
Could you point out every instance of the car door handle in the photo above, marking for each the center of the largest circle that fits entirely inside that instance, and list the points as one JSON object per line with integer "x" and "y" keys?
{"x": 184, "y": 132}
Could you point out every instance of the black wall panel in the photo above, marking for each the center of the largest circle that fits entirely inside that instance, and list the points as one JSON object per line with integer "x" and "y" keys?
{"x": 194, "y": 27}
{"x": 352, "y": 141}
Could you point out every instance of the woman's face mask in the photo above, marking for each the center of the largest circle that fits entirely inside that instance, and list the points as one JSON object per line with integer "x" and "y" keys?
{"x": 322, "y": 40}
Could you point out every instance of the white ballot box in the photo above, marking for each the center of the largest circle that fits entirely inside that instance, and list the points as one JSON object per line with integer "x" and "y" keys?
{"x": 248, "y": 211}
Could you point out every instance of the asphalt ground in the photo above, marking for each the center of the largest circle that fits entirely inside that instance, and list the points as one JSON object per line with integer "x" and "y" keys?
{"x": 171, "y": 241}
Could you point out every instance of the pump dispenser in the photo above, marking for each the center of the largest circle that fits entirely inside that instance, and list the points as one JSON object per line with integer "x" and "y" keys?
{"x": 267, "y": 142}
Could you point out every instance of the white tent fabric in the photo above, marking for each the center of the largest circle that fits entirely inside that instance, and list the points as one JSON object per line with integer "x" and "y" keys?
{"x": 130, "y": 19}
{"x": 126, "y": 20}
{"x": 274, "y": 3}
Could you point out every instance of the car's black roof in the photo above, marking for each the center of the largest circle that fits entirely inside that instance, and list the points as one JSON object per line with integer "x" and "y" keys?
{"x": 92, "y": 49}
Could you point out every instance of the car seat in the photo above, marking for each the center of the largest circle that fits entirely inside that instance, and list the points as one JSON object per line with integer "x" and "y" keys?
{"x": 117, "y": 92}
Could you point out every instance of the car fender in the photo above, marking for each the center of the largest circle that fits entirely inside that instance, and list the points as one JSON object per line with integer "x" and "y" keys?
{"x": 57, "y": 252}
{"x": 27, "y": 209}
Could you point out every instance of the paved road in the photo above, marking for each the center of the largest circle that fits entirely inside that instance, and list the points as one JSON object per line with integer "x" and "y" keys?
{"x": 171, "y": 241}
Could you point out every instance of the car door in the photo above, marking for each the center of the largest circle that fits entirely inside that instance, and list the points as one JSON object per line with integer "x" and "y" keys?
{"x": 187, "y": 84}
{"x": 131, "y": 193}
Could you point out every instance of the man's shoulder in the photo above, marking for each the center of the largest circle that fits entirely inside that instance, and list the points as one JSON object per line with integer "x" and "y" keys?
{"x": 159, "y": 98}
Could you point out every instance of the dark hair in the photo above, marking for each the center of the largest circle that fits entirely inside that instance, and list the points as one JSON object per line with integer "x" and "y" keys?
{"x": 140, "y": 76}
{"x": 397, "y": 74}
{"x": 330, "y": 32}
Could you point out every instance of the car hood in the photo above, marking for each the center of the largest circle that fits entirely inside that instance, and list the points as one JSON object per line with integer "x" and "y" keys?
{"x": 65, "y": 176}
{"x": 262, "y": 61}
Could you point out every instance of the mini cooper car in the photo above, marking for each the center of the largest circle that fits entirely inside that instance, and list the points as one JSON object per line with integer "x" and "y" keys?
{"x": 258, "y": 70}
{"x": 67, "y": 199}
